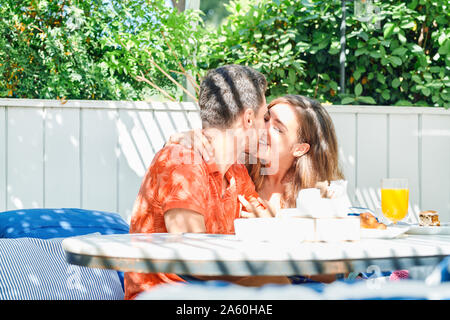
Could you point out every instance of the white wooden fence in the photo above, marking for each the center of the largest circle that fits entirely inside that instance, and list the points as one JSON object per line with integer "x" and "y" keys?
{"x": 93, "y": 154}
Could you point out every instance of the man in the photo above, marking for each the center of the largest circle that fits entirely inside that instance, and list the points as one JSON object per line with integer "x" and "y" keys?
{"x": 183, "y": 193}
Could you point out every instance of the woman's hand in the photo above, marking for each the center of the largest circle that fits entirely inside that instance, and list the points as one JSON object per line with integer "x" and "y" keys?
{"x": 194, "y": 139}
{"x": 255, "y": 208}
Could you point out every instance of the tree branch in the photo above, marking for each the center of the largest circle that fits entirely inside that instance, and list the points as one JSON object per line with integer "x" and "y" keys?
{"x": 170, "y": 78}
{"x": 164, "y": 92}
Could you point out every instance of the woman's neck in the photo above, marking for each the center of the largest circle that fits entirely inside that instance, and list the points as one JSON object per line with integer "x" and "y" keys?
{"x": 278, "y": 177}
{"x": 273, "y": 187}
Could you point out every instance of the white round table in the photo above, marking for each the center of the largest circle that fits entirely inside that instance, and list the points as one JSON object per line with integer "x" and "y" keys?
{"x": 211, "y": 254}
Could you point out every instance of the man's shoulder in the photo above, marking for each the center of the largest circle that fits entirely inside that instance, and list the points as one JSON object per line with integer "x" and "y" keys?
{"x": 176, "y": 156}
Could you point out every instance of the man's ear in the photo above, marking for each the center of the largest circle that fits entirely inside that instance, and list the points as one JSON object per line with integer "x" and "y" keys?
{"x": 300, "y": 149}
{"x": 248, "y": 118}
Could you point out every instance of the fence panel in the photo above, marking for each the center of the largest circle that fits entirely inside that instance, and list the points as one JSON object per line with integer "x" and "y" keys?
{"x": 435, "y": 158}
{"x": 62, "y": 158}
{"x": 403, "y": 155}
{"x": 2, "y": 158}
{"x": 25, "y": 158}
{"x": 99, "y": 159}
{"x": 371, "y": 158}
{"x": 345, "y": 126}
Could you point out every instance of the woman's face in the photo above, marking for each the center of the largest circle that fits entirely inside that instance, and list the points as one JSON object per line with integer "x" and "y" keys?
{"x": 282, "y": 128}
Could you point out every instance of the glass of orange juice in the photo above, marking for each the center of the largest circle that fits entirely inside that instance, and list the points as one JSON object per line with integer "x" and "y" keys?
{"x": 394, "y": 199}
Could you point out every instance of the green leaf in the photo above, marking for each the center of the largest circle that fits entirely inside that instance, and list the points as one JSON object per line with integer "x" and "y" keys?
{"x": 396, "y": 61}
{"x": 400, "y": 51}
{"x": 386, "y": 95}
{"x": 412, "y": 5}
{"x": 373, "y": 41}
{"x": 415, "y": 48}
{"x": 426, "y": 91}
{"x": 442, "y": 38}
{"x": 375, "y": 54}
{"x": 428, "y": 77}
{"x": 395, "y": 83}
{"x": 334, "y": 48}
{"x": 435, "y": 69}
{"x": 360, "y": 51}
{"x": 347, "y": 100}
{"x": 287, "y": 48}
{"x": 358, "y": 89}
{"x": 416, "y": 78}
{"x": 366, "y": 99}
{"x": 401, "y": 37}
{"x": 388, "y": 29}
{"x": 445, "y": 48}
{"x": 381, "y": 78}
{"x": 333, "y": 85}
{"x": 291, "y": 76}
{"x": 407, "y": 25}
{"x": 403, "y": 103}
{"x": 363, "y": 35}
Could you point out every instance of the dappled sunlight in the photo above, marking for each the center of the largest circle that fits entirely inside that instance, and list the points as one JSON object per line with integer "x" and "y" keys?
{"x": 129, "y": 150}
{"x": 346, "y": 160}
{"x": 142, "y": 134}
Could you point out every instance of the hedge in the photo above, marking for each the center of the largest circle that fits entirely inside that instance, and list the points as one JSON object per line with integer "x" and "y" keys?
{"x": 87, "y": 49}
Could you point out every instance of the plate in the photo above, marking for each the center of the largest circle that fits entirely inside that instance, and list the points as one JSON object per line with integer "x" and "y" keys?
{"x": 444, "y": 228}
{"x": 388, "y": 233}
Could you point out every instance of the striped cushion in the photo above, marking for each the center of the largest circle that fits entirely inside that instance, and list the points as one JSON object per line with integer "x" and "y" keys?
{"x": 32, "y": 268}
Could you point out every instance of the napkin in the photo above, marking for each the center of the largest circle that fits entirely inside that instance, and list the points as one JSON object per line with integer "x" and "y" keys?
{"x": 311, "y": 204}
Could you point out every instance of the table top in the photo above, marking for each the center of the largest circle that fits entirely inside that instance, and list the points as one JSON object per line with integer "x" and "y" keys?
{"x": 212, "y": 254}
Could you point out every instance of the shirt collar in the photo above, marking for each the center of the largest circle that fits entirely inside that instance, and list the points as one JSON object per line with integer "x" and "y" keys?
{"x": 212, "y": 168}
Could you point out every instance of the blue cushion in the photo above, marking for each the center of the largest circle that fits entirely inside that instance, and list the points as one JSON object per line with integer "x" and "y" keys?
{"x": 32, "y": 268}
{"x": 59, "y": 223}
{"x": 441, "y": 273}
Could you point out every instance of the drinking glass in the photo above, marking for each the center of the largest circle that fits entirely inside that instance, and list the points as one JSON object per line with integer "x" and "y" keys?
{"x": 394, "y": 199}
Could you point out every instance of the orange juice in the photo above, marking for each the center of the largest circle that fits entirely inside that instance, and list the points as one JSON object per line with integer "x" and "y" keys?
{"x": 394, "y": 203}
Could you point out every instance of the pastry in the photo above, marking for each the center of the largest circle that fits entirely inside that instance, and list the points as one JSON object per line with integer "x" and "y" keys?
{"x": 429, "y": 218}
{"x": 368, "y": 221}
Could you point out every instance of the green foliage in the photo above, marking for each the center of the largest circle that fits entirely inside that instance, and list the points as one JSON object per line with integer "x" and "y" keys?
{"x": 98, "y": 49}
{"x": 88, "y": 49}
{"x": 296, "y": 44}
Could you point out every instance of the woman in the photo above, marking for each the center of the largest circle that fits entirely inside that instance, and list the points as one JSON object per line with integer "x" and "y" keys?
{"x": 301, "y": 151}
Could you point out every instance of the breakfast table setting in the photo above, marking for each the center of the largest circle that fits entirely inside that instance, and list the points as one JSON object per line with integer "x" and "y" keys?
{"x": 322, "y": 235}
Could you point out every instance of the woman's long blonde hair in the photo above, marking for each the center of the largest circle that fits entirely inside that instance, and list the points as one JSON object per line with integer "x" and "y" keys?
{"x": 320, "y": 163}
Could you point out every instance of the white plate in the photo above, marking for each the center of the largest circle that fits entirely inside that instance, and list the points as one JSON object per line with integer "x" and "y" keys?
{"x": 444, "y": 228}
{"x": 388, "y": 233}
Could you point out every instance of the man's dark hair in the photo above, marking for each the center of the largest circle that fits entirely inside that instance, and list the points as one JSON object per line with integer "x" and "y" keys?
{"x": 227, "y": 91}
